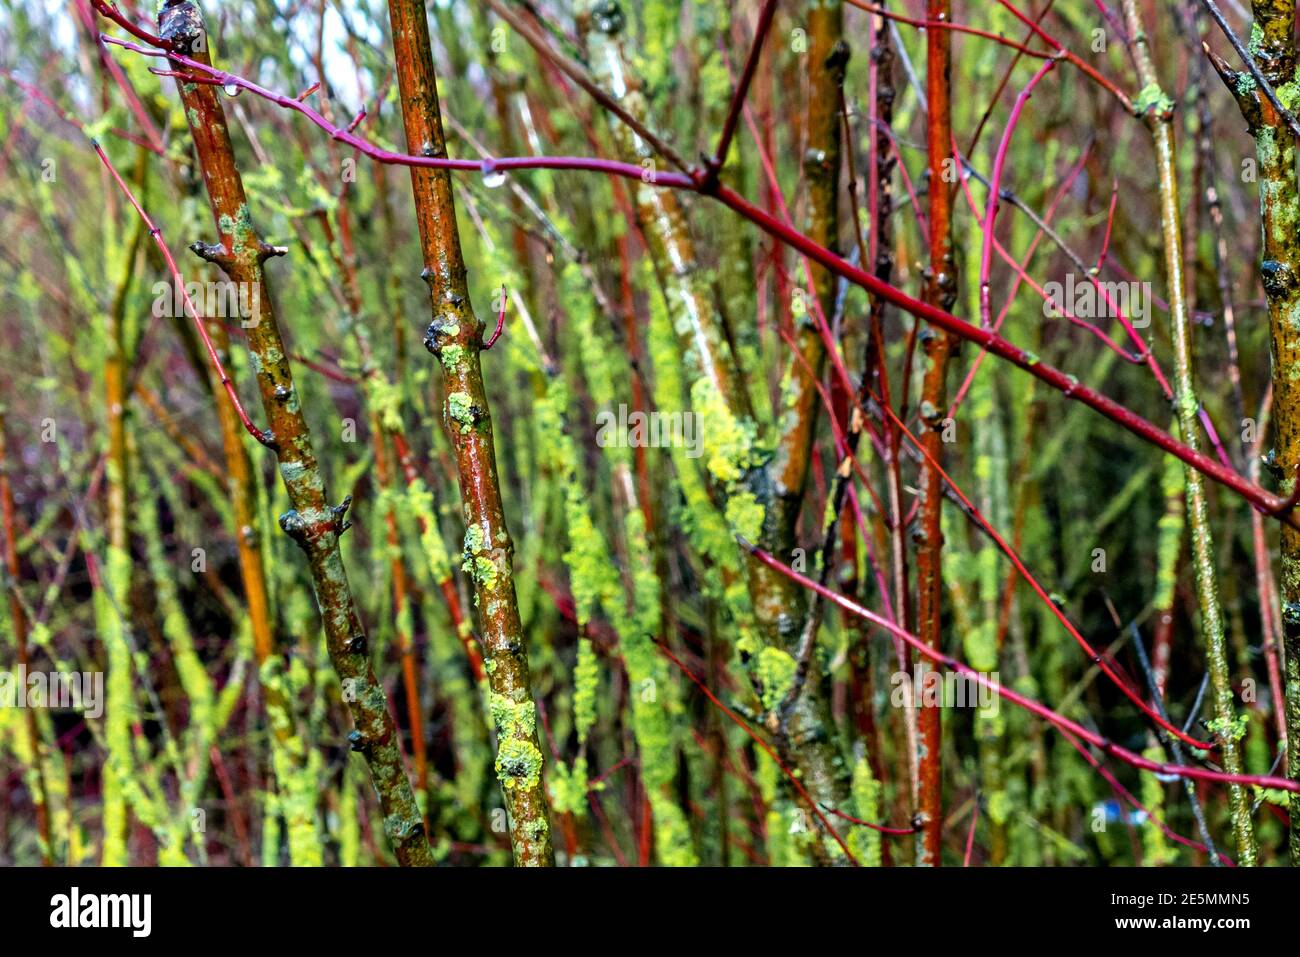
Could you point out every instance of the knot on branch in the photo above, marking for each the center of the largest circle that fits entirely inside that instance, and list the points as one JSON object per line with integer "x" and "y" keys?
{"x": 180, "y": 23}
{"x": 837, "y": 61}
{"x": 357, "y": 644}
{"x": 295, "y": 526}
{"x": 305, "y": 531}
{"x": 1290, "y": 614}
{"x": 1287, "y": 505}
{"x": 442, "y": 332}
{"x": 1278, "y": 278}
{"x": 412, "y": 830}
{"x": 214, "y": 253}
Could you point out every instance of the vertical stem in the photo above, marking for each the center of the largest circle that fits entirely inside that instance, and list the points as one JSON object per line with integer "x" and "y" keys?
{"x": 455, "y": 337}
{"x": 1273, "y": 47}
{"x": 1157, "y": 111}
{"x": 311, "y": 521}
{"x": 115, "y": 595}
{"x": 239, "y": 482}
{"x": 294, "y": 777}
{"x": 940, "y": 291}
{"x": 18, "y": 616}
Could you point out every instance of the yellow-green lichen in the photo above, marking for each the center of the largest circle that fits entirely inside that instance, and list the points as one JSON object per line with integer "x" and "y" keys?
{"x": 452, "y": 356}
{"x": 518, "y": 764}
{"x": 728, "y": 440}
{"x": 775, "y": 670}
{"x": 745, "y": 515}
{"x": 239, "y": 227}
{"x": 461, "y": 408}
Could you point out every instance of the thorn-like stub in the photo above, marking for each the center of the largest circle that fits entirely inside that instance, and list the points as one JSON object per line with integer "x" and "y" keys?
{"x": 212, "y": 252}
{"x": 341, "y": 524}
{"x": 427, "y": 275}
{"x": 266, "y": 251}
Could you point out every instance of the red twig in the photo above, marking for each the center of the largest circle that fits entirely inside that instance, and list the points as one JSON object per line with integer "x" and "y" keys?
{"x": 1103, "y": 744}
{"x": 264, "y": 437}
{"x": 111, "y": 12}
{"x": 765, "y": 17}
{"x": 501, "y": 321}
{"x": 1061, "y": 381}
{"x": 970, "y": 835}
{"x": 995, "y": 187}
{"x": 771, "y": 753}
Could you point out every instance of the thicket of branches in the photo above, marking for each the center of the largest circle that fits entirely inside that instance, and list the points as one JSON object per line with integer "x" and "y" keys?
{"x": 681, "y": 433}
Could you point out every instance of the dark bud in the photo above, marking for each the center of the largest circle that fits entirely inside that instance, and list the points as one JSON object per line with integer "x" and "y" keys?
{"x": 1270, "y": 462}
{"x": 838, "y": 59}
{"x": 607, "y": 15}
{"x": 357, "y": 645}
{"x": 1277, "y": 277}
{"x": 1291, "y": 614}
{"x": 437, "y": 334}
{"x": 358, "y": 742}
{"x": 294, "y": 525}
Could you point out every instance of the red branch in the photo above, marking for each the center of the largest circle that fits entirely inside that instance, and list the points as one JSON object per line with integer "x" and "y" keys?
{"x": 1103, "y": 744}
{"x": 263, "y": 437}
